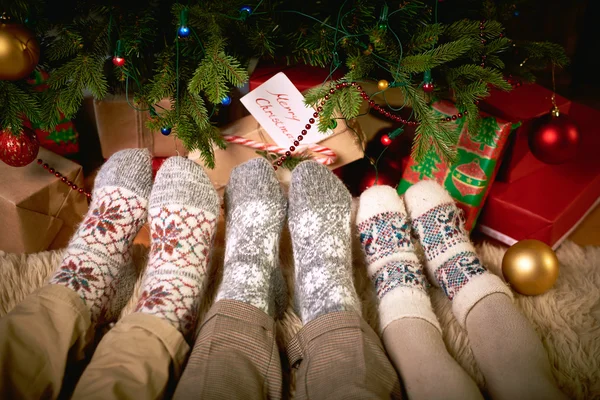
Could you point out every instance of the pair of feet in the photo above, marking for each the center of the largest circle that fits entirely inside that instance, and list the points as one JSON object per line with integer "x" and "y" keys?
{"x": 386, "y": 223}
{"x": 182, "y": 208}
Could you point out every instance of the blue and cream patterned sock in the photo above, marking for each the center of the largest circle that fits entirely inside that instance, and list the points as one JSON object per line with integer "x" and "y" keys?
{"x": 451, "y": 261}
{"x": 392, "y": 264}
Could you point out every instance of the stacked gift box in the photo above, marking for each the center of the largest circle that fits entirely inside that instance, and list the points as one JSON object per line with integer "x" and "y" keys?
{"x": 533, "y": 200}
{"x": 512, "y": 195}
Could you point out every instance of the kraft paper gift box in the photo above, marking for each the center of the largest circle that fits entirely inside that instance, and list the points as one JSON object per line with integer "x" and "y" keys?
{"x": 120, "y": 127}
{"x": 346, "y": 142}
{"x": 39, "y": 212}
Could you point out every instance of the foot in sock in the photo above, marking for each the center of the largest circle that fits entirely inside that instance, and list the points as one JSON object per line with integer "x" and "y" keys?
{"x": 183, "y": 211}
{"x": 98, "y": 253}
{"x": 256, "y": 210}
{"x": 392, "y": 265}
{"x": 319, "y": 220}
{"x": 451, "y": 261}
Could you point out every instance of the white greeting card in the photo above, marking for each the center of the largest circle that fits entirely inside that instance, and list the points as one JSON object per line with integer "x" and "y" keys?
{"x": 279, "y": 108}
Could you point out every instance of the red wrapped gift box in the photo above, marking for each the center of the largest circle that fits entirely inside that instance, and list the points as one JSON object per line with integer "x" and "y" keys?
{"x": 523, "y": 104}
{"x": 549, "y": 203}
{"x": 303, "y": 76}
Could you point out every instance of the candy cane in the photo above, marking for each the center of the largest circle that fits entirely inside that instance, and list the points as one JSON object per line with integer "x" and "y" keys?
{"x": 329, "y": 155}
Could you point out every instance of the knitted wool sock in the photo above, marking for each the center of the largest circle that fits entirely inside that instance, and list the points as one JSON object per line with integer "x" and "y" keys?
{"x": 451, "y": 260}
{"x": 183, "y": 210}
{"x": 256, "y": 210}
{"x": 319, "y": 220}
{"x": 99, "y": 251}
{"x": 392, "y": 264}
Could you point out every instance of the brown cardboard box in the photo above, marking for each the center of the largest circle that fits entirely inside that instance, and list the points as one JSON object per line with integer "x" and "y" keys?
{"x": 120, "y": 127}
{"x": 37, "y": 211}
{"x": 346, "y": 142}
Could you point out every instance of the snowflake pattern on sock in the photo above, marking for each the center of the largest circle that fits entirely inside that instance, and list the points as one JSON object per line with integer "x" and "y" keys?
{"x": 439, "y": 229}
{"x": 100, "y": 247}
{"x": 321, "y": 239}
{"x": 457, "y": 271}
{"x": 397, "y": 274}
{"x": 253, "y": 231}
{"x": 176, "y": 272}
{"x": 384, "y": 234}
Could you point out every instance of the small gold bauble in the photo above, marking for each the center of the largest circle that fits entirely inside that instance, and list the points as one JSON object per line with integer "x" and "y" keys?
{"x": 530, "y": 266}
{"x": 19, "y": 52}
{"x": 382, "y": 84}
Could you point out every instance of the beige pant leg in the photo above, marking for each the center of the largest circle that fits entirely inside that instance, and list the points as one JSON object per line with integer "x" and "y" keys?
{"x": 509, "y": 352}
{"x": 235, "y": 356}
{"x": 428, "y": 371}
{"x": 339, "y": 356}
{"x": 138, "y": 359}
{"x": 49, "y": 329}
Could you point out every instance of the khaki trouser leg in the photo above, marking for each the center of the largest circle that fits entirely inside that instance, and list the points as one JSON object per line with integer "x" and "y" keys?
{"x": 49, "y": 329}
{"x": 138, "y": 359}
{"x": 338, "y": 356}
{"x": 235, "y": 356}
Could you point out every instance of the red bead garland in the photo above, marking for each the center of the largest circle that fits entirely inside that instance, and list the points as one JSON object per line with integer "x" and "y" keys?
{"x": 384, "y": 139}
{"x": 63, "y": 178}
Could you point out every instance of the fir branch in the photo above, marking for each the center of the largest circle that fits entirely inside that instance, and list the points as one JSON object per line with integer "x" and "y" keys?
{"x": 316, "y": 94}
{"x": 64, "y": 45}
{"x": 216, "y": 70}
{"x": 497, "y": 46}
{"x": 359, "y": 66}
{"x": 327, "y": 116}
{"x": 430, "y": 132}
{"x": 163, "y": 84}
{"x": 18, "y": 100}
{"x": 424, "y": 37}
{"x": 546, "y": 52}
{"x": 441, "y": 54}
{"x": 469, "y": 28}
{"x": 349, "y": 102}
{"x": 472, "y": 72}
{"x": 71, "y": 79}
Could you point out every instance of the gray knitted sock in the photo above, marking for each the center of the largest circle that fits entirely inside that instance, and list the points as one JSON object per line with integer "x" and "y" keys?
{"x": 96, "y": 258}
{"x": 319, "y": 219}
{"x": 256, "y": 211}
{"x": 184, "y": 208}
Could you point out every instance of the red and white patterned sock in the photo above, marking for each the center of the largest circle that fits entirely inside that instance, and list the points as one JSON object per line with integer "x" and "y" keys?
{"x": 183, "y": 211}
{"x": 451, "y": 261}
{"x": 392, "y": 264}
{"x": 98, "y": 254}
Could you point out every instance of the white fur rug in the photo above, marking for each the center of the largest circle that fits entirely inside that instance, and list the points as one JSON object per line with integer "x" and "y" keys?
{"x": 567, "y": 318}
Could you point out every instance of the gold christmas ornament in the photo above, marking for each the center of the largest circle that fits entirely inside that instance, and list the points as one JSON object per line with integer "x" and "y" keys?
{"x": 19, "y": 51}
{"x": 530, "y": 266}
{"x": 382, "y": 84}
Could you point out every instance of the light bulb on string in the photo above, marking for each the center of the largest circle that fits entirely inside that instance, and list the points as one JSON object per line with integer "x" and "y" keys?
{"x": 118, "y": 59}
{"x": 183, "y": 31}
{"x": 428, "y": 85}
{"x": 245, "y": 12}
{"x": 226, "y": 101}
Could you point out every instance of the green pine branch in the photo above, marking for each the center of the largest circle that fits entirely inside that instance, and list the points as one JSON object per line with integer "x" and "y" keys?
{"x": 471, "y": 72}
{"x": 72, "y": 78}
{"x": 216, "y": 71}
{"x": 18, "y": 100}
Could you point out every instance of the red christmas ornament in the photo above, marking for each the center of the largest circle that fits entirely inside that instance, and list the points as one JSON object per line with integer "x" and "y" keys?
{"x": 18, "y": 151}
{"x": 428, "y": 87}
{"x": 118, "y": 61}
{"x": 385, "y": 140}
{"x": 554, "y": 139}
